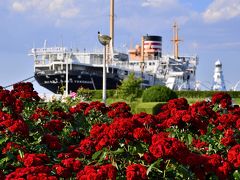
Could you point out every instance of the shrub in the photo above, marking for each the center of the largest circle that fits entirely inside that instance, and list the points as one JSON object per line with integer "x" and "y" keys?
{"x": 158, "y": 94}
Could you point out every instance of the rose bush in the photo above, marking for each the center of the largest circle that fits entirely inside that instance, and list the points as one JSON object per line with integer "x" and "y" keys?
{"x": 93, "y": 141}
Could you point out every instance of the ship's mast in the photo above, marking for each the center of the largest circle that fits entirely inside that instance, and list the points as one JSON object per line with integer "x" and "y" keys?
{"x": 175, "y": 40}
{"x": 112, "y": 24}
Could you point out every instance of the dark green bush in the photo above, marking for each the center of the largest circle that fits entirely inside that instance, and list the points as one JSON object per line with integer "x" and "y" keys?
{"x": 158, "y": 94}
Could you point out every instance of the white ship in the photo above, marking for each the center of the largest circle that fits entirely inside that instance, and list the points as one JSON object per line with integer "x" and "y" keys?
{"x": 57, "y": 67}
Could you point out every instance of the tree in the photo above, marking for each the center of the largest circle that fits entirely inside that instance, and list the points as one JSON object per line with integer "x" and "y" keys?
{"x": 129, "y": 88}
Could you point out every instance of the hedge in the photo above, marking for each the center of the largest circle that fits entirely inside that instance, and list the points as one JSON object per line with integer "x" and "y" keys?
{"x": 204, "y": 94}
{"x": 97, "y": 94}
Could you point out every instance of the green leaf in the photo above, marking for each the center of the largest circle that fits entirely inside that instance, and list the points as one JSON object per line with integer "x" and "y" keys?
{"x": 5, "y": 109}
{"x": 39, "y": 140}
{"x": 3, "y": 160}
{"x": 236, "y": 175}
{"x": 141, "y": 155}
{"x": 115, "y": 164}
{"x": 118, "y": 151}
{"x": 96, "y": 155}
{"x": 190, "y": 139}
{"x": 21, "y": 153}
{"x": 102, "y": 157}
{"x": 3, "y": 140}
{"x": 184, "y": 171}
{"x": 153, "y": 165}
{"x": 133, "y": 150}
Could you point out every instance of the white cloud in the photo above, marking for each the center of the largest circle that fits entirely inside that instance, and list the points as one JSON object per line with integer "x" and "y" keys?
{"x": 222, "y": 10}
{"x": 19, "y": 7}
{"x": 70, "y": 13}
{"x": 195, "y": 45}
{"x": 55, "y": 5}
{"x": 165, "y": 4}
{"x": 60, "y": 8}
{"x": 172, "y": 10}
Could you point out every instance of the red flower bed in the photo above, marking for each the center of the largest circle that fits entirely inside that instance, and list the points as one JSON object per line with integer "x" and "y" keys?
{"x": 93, "y": 141}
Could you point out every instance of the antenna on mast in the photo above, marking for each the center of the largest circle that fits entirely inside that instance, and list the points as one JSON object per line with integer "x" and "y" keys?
{"x": 175, "y": 40}
{"x": 45, "y": 44}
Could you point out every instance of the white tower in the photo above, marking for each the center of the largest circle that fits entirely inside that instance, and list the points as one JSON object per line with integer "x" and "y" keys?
{"x": 218, "y": 84}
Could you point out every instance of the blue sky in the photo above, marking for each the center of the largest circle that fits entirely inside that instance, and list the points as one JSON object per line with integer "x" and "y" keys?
{"x": 208, "y": 28}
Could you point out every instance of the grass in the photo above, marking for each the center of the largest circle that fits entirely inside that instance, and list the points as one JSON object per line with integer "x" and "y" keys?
{"x": 236, "y": 101}
{"x": 149, "y": 107}
{"x": 193, "y": 100}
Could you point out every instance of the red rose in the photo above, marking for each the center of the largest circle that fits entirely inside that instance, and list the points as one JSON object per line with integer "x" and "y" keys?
{"x": 136, "y": 172}
{"x": 234, "y": 156}
{"x": 51, "y": 141}
{"x": 62, "y": 171}
{"x": 87, "y": 146}
{"x": 76, "y": 165}
{"x": 148, "y": 157}
{"x": 142, "y": 134}
{"x": 19, "y": 127}
{"x": 2, "y": 176}
{"x": 54, "y": 125}
{"x": 35, "y": 159}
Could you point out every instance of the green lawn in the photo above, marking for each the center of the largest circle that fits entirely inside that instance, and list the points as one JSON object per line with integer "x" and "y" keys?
{"x": 236, "y": 101}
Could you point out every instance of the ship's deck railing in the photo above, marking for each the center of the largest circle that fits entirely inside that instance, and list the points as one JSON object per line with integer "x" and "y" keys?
{"x": 40, "y": 51}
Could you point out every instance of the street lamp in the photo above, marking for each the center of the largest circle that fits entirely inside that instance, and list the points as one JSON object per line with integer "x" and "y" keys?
{"x": 104, "y": 40}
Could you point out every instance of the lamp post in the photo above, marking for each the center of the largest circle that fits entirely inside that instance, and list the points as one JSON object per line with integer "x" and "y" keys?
{"x": 104, "y": 40}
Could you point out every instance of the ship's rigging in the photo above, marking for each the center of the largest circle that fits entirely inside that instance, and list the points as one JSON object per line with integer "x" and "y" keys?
{"x": 24, "y": 80}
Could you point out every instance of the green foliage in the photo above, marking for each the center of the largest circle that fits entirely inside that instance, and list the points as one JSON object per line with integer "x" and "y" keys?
{"x": 52, "y": 106}
{"x": 236, "y": 174}
{"x": 62, "y": 89}
{"x": 158, "y": 94}
{"x": 84, "y": 94}
{"x": 130, "y": 88}
{"x": 81, "y": 95}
